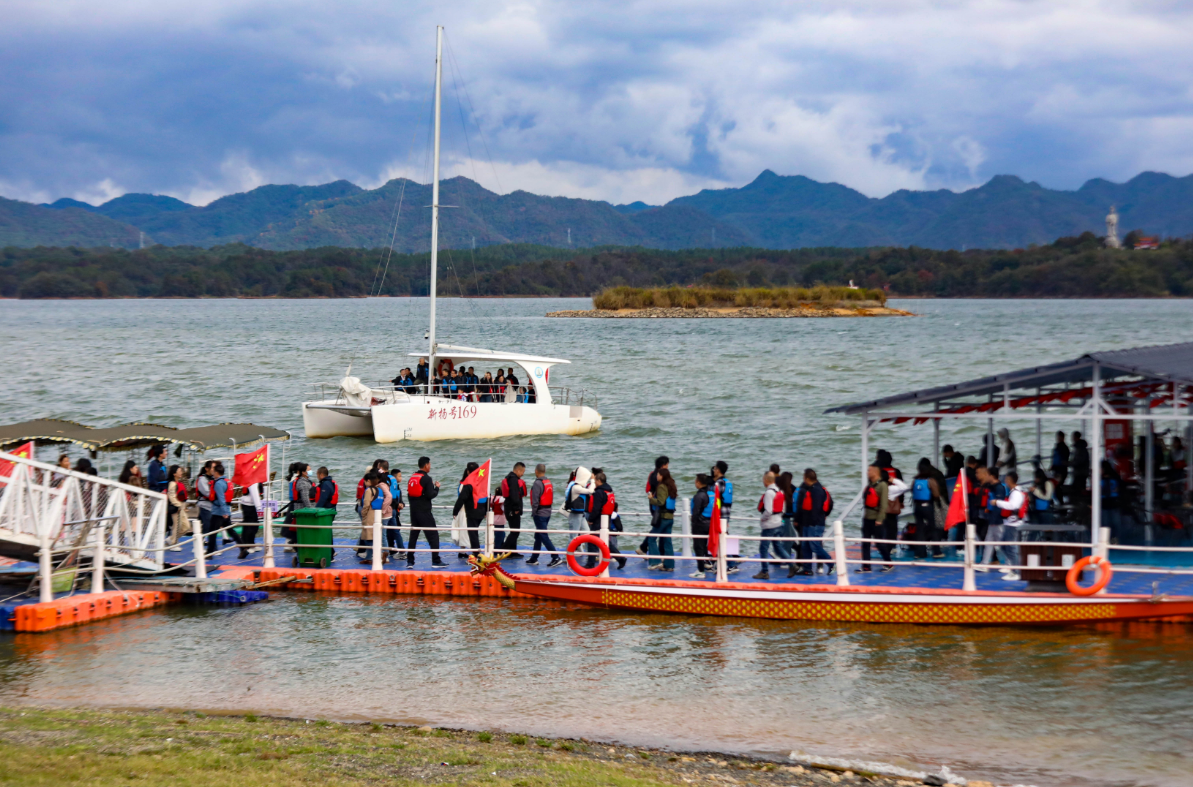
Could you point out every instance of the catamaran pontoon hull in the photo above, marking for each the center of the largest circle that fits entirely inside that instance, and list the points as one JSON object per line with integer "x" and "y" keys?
{"x": 437, "y": 418}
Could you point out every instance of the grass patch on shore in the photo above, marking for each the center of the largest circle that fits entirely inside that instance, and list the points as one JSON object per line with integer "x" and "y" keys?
{"x": 102, "y": 748}
{"x": 714, "y": 297}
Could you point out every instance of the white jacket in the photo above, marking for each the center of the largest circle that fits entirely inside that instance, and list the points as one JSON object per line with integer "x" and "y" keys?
{"x": 583, "y": 485}
{"x": 770, "y": 518}
{"x": 1014, "y": 502}
{"x": 895, "y": 487}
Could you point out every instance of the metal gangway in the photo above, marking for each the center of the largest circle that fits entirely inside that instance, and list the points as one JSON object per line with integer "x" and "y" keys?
{"x": 59, "y": 517}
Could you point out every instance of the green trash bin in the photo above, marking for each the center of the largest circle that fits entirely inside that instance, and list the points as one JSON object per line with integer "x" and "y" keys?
{"x": 315, "y": 540}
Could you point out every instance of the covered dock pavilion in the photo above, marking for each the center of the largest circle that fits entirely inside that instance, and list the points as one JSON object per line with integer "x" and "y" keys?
{"x": 1102, "y": 394}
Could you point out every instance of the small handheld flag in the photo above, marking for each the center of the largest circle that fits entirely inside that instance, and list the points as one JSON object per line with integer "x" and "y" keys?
{"x": 478, "y": 479}
{"x": 714, "y": 526}
{"x": 959, "y": 504}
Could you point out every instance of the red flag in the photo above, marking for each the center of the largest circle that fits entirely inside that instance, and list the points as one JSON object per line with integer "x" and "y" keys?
{"x": 959, "y": 503}
{"x": 252, "y": 468}
{"x": 6, "y": 467}
{"x": 714, "y": 526}
{"x": 478, "y": 479}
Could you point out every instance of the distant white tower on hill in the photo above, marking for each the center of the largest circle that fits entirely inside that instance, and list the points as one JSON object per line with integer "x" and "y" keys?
{"x": 1112, "y": 230}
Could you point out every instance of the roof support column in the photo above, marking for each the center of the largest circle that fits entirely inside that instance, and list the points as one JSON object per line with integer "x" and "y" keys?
{"x": 1095, "y": 458}
{"x": 936, "y": 435}
{"x": 1039, "y": 428}
{"x": 1149, "y": 469}
{"x": 990, "y": 440}
{"x": 865, "y": 448}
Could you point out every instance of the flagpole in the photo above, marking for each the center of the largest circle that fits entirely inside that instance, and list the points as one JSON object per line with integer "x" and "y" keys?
{"x": 488, "y": 512}
{"x": 267, "y": 561}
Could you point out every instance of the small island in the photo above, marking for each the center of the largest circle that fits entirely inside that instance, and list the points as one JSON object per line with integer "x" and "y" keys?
{"x": 665, "y": 302}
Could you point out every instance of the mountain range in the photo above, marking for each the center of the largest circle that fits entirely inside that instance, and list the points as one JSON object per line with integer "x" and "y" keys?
{"x": 773, "y": 211}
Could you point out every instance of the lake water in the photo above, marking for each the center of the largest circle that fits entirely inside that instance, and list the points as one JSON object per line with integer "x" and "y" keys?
{"x": 1105, "y": 707}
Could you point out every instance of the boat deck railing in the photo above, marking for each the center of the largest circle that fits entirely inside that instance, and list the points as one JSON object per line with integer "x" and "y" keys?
{"x": 385, "y": 392}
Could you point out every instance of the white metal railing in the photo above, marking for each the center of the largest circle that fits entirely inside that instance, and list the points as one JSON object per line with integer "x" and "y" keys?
{"x": 46, "y": 510}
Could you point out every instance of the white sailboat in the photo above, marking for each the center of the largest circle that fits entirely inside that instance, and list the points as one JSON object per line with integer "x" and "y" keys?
{"x": 388, "y": 413}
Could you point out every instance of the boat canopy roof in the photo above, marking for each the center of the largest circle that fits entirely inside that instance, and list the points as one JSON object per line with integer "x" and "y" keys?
{"x": 451, "y": 351}
{"x": 1158, "y": 365}
{"x": 136, "y": 435}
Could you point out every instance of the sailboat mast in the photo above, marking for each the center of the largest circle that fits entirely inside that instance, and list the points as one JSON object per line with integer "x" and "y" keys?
{"x": 435, "y": 197}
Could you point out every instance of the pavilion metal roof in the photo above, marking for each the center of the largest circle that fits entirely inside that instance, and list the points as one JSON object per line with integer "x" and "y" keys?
{"x": 1167, "y": 363}
{"x": 136, "y": 435}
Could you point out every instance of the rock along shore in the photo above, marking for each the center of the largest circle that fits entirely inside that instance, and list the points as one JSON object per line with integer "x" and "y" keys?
{"x": 745, "y": 311}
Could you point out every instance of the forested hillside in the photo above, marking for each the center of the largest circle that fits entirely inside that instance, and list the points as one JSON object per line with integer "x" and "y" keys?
{"x": 1070, "y": 267}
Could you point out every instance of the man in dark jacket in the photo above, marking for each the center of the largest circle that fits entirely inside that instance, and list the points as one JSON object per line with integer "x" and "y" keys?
{"x": 156, "y": 475}
{"x": 604, "y": 503}
{"x": 513, "y": 489}
{"x": 702, "y": 503}
{"x": 474, "y": 514}
{"x": 421, "y": 490}
{"x": 1080, "y": 463}
{"x": 811, "y": 510}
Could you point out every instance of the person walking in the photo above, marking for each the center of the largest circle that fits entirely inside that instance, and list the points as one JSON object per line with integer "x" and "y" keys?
{"x": 579, "y": 491}
{"x": 604, "y": 503}
{"x": 157, "y": 479}
{"x": 652, "y": 483}
{"x": 513, "y": 490}
{"x": 722, "y": 483}
{"x": 221, "y": 511}
{"x": 392, "y": 524}
{"x": 771, "y": 507}
{"x": 249, "y": 502}
{"x": 542, "y": 495}
{"x": 813, "y": 504}
{"x": 874, "y": 504}
{"x": 420, "y": 491}
{"x": 786, "y": 546}
{"x": 702, "y": 505}
{"x": 926, "y": 495}
{"x": 176, "y": 507}
{"x": 660, "y": 544}
{"x": 994, "y": 492}
{"x": 131, "y": 475}
{"x": 474, "y": 511}
{"x": 1013, "y": 510}
{"x": 203, "y": 496}
{"x": 372, "y": 503}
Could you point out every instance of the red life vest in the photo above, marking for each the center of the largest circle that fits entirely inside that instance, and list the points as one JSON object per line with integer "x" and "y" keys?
{"x": 360, "y": 489}
{"x": 505, "y": 487}
{"x": 871, "y": 497}
{"x": 608, "y": 508}
{"x": 828, "y": 501}
{"x": 180, "y": 491}
{"x": 335, "y": 493}
{"x": 1007, "y": 513}
{"x": 548, "y": 494}
{"x": 228, "y": 496}
{"x": 414, "y": 487}
{"x": 777, "y": 504}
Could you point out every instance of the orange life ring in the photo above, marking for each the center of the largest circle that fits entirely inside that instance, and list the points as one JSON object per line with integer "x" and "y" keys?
{"x": 1104, "y": 574}
{"x": 577, "y": 542}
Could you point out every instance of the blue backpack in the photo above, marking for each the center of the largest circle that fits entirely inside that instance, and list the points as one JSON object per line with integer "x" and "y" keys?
{"x": 920, "y": 490}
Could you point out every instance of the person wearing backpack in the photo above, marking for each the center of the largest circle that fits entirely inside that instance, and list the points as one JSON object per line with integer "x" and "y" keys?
{"x": 392, "y": 524}
{"x": 513, "y": 490}
{"x": 813, "y": 504}
{"x": 579, "y": 490}
{"x": 725, "y": 486}
{"x": 420, "y": 491}
{"x": 658, "y": 544}
{"x": 604, "y": 503}
{"x": 542, "y": 495}
{"x": 221, "y": 510}
{"x": 925, "y": 493}
{"x": 771, "y": 507}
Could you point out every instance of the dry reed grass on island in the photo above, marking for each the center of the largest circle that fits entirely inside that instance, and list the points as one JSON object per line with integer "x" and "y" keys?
{"x": 821, "y": 301}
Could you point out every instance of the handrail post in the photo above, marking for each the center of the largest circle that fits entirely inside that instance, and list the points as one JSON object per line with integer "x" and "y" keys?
{"x": 722, "y": 553}
{"x": 45, "y": 569}
{"x": 267, "y": 561}
{"x": 605, "y": 538}
{"x": 1102, "y": 549}
{"x": 489, "y": 532}
{"x": 969, "y": 583}
{"x": 97, "y": 560}
{"x": 839, "y": 554}
{"x": 378, "y": 540}
{"x": 685, "y": 526}
{"x": 200, "y": 556}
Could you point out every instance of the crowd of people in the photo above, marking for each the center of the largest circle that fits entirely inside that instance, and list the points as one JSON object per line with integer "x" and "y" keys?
{"x": 464, "y": 383}
{"x": 793, "y": 509}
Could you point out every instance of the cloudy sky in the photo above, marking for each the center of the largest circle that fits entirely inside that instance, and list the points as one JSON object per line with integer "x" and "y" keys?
{"x": 617, "y": 100}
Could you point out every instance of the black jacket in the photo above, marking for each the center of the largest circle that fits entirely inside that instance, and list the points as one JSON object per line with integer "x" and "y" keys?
{"x": 421, "y": 503}
{"x": 815, "y": 494}
{"x": 514, "y": 491}
{"x": 699, "y": 504}
{"x": 327, "y": 488}
{"x": 599, "y": 497}
{"x": 464, "y": 501}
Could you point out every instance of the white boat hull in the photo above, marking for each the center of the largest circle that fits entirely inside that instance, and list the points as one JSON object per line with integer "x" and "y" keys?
{"x": 428, "y": 418}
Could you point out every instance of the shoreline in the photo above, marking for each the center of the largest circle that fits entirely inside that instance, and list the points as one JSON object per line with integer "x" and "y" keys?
{"x": 107, "y": 746}
{"x": 747, "y": 312}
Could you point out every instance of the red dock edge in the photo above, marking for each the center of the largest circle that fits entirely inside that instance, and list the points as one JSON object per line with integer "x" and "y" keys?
{"x": 411, "y": 583}
{"x": 75, "y": 610}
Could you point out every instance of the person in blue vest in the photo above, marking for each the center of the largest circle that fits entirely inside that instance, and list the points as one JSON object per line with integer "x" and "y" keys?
{"x": 1043, "y": 493}
{"x": 926, "y": 495}
{"x": 579, "y": 490}
{"x": 221, "y": 510}
{"x": 156, "y": 478}
{"x": 393, "y": 534}
{"x": 722, "y": 483}
{"x": 813, "y": 504}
